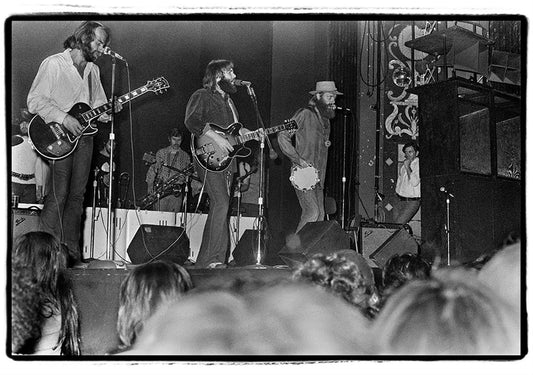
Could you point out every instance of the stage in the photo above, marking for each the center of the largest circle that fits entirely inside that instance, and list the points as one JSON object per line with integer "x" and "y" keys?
{"x": 97, "y": 290}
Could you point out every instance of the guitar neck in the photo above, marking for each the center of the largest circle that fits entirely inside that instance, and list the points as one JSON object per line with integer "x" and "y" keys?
{"x": 104, "y": 108}
{"x": 249, "y": 136}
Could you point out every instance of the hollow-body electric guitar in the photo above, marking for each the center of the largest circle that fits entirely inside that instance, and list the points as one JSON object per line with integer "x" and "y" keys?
{"x": 52, "y": 141}
{"x": 209, "y": 154}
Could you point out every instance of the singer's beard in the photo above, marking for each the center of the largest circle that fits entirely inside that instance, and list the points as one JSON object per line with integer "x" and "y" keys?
{"x": 227, "y": 86}
{"x": 325, "y": 110}
{"x": 89, "y": 54}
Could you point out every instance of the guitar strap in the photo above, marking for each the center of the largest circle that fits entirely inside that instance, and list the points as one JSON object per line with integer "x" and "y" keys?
{"x": 233, "y": 110}
{"x": 90, "y": 78}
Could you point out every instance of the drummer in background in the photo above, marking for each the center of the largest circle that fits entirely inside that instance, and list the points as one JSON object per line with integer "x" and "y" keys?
{"x": 311, "y": 147}
{"x": 159, "y": 173}
{"x": 29, "y": 171}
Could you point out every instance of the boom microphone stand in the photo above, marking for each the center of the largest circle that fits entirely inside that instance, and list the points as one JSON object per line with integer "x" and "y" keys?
{"x": 447, "y": 227}
{"x": 344, "y": 120}
{"x": 261, "y": 249}
{"x": 110, "y": 227}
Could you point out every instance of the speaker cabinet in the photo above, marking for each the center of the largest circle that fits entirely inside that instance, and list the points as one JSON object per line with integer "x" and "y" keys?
{"x": 373, "y": 235}
{"x": 24, "y": 220}
{"x": 471, "y": 141}
{"x": 245, "y": 253}
{"x": 161, "y": 242}
{"x": 400, "y": 242}
{"x": 324, "y": 237}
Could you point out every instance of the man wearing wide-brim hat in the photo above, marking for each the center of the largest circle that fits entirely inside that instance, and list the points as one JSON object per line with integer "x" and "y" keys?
{"x": 309, "y": 155}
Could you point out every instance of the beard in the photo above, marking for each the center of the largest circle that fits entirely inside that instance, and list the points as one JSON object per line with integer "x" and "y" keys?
{"x": 88, "y": 54}
{"x": 227, "y": 86}
{"x": 325, "y": 110}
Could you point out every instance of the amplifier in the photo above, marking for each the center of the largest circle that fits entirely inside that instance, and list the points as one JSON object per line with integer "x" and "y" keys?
{"x": 24, "y": 220}
{"x": 373, "y": 235}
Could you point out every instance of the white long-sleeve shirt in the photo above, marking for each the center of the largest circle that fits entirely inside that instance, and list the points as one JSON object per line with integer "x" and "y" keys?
{"x": 58, "y": 86}
{"x": 25, "y": 160}
{"x": 409, "y": 187}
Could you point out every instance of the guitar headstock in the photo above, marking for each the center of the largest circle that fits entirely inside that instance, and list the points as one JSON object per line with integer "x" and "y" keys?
{"x": 290, "y": 125}
{"x": 158, "y": 85}
{"x": 149, "y": 158}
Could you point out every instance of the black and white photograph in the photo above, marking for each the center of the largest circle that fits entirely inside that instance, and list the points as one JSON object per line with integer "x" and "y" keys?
{"x": 288, "y": 187}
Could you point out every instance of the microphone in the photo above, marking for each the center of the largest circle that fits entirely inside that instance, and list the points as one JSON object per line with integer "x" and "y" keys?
{"x": 343, "y": 109}
{"x": 238, "y": 82}
{"x": 108, "y": 51}
{"x": 443, "y": 189}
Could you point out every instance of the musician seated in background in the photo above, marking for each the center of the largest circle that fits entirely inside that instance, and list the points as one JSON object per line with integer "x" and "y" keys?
{"x": 28, "y": 170}
{"x": 62, "y": 81}
{"x": 164, "y": 177}
{"x": 212, "y": 105}
{"x": 311, "y": 148}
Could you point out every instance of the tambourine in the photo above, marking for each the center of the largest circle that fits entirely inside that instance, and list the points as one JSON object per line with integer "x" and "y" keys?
{"x": 304, "y": 178}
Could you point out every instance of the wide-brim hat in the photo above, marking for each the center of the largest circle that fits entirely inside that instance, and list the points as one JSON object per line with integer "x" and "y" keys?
{"x": 325, "y": 86}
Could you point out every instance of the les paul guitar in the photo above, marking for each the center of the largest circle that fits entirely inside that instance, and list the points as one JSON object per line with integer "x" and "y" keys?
{"x": 213, "y": 158}
{"x": 52, "y": 141}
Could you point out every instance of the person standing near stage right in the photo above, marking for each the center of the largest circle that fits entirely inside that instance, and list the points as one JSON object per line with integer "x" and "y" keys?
{"x": 311, "y": 149}
{"x": 408, "y": 185}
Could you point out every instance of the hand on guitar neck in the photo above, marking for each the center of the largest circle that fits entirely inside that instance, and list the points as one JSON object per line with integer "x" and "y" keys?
{"x": 74, "y": 126}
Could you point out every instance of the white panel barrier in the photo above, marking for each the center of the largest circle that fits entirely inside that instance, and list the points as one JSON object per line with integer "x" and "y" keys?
{"x": 127, "y": 222}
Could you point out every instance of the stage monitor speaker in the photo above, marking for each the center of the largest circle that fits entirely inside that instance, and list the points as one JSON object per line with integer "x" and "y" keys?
{"x": 372, "y": 237}
{"x": 324, "y": 237}
{"x": 159, "y": 242}
{"x": 245, "y": 253}
{"x": 400, "y": 242}
{"x": 24, "y": 220}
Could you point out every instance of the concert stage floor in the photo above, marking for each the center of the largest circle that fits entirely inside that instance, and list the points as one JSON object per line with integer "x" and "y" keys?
{"x": 97, "y": 291}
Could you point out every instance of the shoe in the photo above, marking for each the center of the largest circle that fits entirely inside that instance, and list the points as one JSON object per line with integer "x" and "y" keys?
{"x": 216, "y": 265}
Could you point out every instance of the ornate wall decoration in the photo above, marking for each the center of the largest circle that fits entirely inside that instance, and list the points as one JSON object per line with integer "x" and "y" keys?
{"x": 404, "y": 116}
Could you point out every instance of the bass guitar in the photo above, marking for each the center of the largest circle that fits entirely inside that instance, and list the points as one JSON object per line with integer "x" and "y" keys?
{"x": 52, "y": 141}
{"x": 211, "y": 157}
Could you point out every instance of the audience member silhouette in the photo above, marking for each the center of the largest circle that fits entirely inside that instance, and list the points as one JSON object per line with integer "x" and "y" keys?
{"x": 145, "y": 289}
{"x": 199, "y": 324}
{"x": 342, "y": 277}
{"x": 285, "y": 319}
{"x": 400, "y": 269}
{"x": 295, "y": 318}
{"x": 39, "y": 257}
{"x": 452, "y": 313}
{"x": 503, "y": 274}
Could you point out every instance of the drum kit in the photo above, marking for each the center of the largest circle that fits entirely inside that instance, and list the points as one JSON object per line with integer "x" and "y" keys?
{"x": 173, "y": 186}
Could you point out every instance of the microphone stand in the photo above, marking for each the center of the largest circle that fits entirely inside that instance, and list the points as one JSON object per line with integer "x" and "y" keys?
{"x": 93, "y": 213}
{"x": 261, "y": 250}
{"x": 345, "y": 115}
{"x": 447, "y": 229}
{"x": 110, "y": 226}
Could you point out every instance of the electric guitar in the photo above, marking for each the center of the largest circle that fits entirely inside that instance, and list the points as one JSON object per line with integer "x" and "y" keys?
{"x": 52, "y": 141}
{"x": 211, "y": 157}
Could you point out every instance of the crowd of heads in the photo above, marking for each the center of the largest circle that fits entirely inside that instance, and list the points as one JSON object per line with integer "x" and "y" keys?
{"x": 331, "y": 304}
{"x": 44, "y": 313}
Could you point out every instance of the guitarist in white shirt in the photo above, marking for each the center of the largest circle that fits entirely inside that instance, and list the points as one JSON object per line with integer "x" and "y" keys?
{"x": 63, "y": 80}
